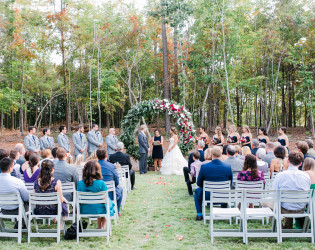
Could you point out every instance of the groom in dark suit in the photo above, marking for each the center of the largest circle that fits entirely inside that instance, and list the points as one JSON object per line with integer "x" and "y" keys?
{"x": 216, "y": 170}
{"x": 144, "y": 149}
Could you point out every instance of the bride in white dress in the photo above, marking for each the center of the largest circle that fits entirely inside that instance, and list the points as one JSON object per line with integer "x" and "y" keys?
{"x": 173, "y": 161}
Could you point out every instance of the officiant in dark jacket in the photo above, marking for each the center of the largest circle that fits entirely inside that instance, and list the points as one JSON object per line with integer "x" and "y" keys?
{"x": 144, "y": 149}
{"x": 123, "y": 159}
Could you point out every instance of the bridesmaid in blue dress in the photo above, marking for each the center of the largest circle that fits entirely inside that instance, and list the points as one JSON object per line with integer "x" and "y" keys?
{"x": 234, "y": 136}
{"x": 218, "y": 138}
{"x": 157, "y": 152}
{"x": 262, "y": 137}
{"x": 247, "y": 137}
{"x": 283, "y": 138}
{"x": 204, "y": 136}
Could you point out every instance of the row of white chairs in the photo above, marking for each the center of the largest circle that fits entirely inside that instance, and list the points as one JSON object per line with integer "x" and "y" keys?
{"x": 244, "y": 197}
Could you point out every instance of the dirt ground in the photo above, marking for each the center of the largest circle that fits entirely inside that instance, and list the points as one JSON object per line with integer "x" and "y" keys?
{"x": 10, "y": 138}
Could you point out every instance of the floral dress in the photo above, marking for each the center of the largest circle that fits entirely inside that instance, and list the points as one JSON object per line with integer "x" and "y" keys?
{"x": 247, "y": 176}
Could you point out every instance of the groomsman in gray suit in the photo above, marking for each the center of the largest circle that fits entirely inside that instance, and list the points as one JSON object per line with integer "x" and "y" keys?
{"x": 79, "y": 142}
{"x": 95, "y": 139}
{"x": 63, "y": 140}
{"x": 46, "y": 141}
{"x": 31, "y": 141}
{"x": 144, "y": 149}
{"x": 111, "y": 141}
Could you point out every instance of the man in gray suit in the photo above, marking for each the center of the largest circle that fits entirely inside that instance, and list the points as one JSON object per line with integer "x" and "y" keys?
{"x": 65, "y": 172}
{"x": 31, "y": 141}
{"x": 270, "y": 147}
{"x": 79, "y": 142}
{"x": 62, "y": 139}
{"x": 235, "y": 163}
{"x": 95, "y": 139}
{"x": 111, "y": 141}
{"x": 144, "y": 149}
{"x": 46, "y": 141}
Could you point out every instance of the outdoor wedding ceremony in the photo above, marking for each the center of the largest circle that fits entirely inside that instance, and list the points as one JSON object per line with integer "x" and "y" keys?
{"x": 157, "y": 124}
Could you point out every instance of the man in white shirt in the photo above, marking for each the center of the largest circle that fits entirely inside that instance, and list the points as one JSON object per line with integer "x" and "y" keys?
{"x": 295, "y": 180}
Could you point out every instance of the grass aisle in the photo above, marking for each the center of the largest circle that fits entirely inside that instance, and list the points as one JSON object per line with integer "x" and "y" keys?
{"x": 158, "y": 215}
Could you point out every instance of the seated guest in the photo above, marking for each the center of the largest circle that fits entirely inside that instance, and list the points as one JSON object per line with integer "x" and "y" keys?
{"x": 262, "y": 145}
{"x": 270, "y": 147}
{"x": 238, "y": 152}
{"x": 216, "y": 170}
{"x": 32, "y": 172}
{"x": 45, "y": 155}
{"x": 194, "y": 171}
{"x": 109, "y": 173}
{"x": 302, "y": 147}
{"x": 235, "y": 163}
{"x": 79, "y": 164}
{"x": 65, "y": 172}
{"x": 207, "y": 155}
{"x": 26, "y": 163}
{"x": 260, "y": 155}
{"x": 14, "y": 154}
{"x": 3, "y": 153}
{"x": 92, "y": 156}
{"x": 255, "y": 146}
{"x": 54, "y": 155}
{"x": 311, "y": 150}
{"x": 295, "y": 180}
{"x": 123, "y": 159}
{"x": 278, "y": 164}
{"x": 224, "y": 155}
{"x": 9, "y": 185}
{"x": 250, "y": 170}
{"x": 93, "y": 182}
{"x": 69, "y": 159}
{"x": 20, "y": 148}
{"x": 186, "y": 170}
{"x": 309, "y": 168}
{"x": 46, "y": 183}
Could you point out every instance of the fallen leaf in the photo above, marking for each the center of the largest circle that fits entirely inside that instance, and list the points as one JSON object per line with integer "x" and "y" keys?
{"x": 180, "y": 237}
{"x": 136, "y": 221}
{"x": 147, "y": 237}
{"x": 184, "y": 218}
{"x": 168, "y": 225}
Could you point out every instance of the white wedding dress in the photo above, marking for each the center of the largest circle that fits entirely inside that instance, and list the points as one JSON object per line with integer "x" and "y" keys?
{"x": 174, "y": 161}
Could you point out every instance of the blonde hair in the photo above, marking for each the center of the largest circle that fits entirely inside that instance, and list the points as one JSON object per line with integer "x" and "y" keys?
{"x": 45, "y": 153}
{"x": 174, "y": 130}
{"x": 246, "y": 151}
{"x": 142, "y": 127}
{"x": 216, "y": 152}
{"x": 69, "y": 159}
{"x": 92, "y": 157}
{"x": 79, "y": 160}
{"x": 208, "y": 154}
{"x": 238, "y": 149}
{"x": 233, "y": 128}
{"x": 247, "y": 128}
{"x": 219, "y": 132}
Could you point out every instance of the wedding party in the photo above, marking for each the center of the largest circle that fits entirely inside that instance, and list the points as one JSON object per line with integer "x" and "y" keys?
{"x": 163, "y": 124}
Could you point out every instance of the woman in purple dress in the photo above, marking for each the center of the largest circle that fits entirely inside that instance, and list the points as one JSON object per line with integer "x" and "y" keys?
{"x": 32, "y": 172}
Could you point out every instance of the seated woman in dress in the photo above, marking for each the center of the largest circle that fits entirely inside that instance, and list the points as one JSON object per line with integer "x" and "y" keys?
{"x": 218, "y": 138}
{"x": 46, "y": 155}
{"x": 260, "y": 155}
{"x": 204, "y": 136}
{"x": 224, "y": 155}
{"x": 32, "y": 172}
{"x": 283, "y": 138}
{"x": 93, "y": 182}
{"x": 262, "y": 136}
{"x": 309, "y": 168}
{"x": 157, "y": 152}
{"x": 46, "y": 183}
{"x": 234, "y": 136}
{"x": 79, "y": 164}
{"x": 245, "y": 151}
{"x": 278, "y": 164}
{"x": 207, "y": 156}
{"x": 27, "y": 158}
{"x": 247, "y": 137}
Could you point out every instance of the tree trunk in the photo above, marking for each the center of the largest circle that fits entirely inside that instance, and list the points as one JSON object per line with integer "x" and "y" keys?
{"x": 99, "y": 88}
{"x": 22, "y": 102}
{"x": 176, "y": 65}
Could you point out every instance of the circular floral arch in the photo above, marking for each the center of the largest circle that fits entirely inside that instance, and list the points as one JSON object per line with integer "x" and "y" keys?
{"x": 144, "y": 109}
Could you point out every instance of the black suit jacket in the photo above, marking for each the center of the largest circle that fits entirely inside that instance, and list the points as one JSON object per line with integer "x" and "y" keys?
{"x": 121, "y": 158}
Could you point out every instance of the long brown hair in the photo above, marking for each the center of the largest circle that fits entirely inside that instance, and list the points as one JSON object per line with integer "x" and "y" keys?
{"x": 91, "y": 172}
{"x": 251, "y": 163}
{"x": 45, "y": 174}
{"x": 174, "y": 130}
{"x": 33, "y": 161}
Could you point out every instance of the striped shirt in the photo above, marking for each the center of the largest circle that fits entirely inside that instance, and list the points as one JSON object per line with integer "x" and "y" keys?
{"x": 9, "y": 185}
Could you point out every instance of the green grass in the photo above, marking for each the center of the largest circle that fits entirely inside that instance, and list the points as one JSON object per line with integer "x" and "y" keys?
{"x": 161, "y": 212}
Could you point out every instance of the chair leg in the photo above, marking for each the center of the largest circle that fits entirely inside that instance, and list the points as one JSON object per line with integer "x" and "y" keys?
{"x": 78, "y": 221}
{"x": 211, "y": 229}
{"x": 2, "y": 226}
{"x": 29, "y": 230}
{"x": 20, "y": 229}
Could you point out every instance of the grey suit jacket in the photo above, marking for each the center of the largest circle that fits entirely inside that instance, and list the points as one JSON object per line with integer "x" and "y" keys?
{"x": 143, "y": 143}
{"x": 94, "y": 139}
{"x": 31, "y": 144}
{"x": 235, "y": 163}
{"x": 44, "y": 143}
{"x": 66, "y": 173}
{"x": 64, "y": 142}
{"x": 111, "y": 142}
{"x": 79, "y": 143}
{"x": 269, "y": 157}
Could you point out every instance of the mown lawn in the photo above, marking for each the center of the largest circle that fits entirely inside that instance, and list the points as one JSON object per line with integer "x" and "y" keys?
{"x": 159, "y": 215}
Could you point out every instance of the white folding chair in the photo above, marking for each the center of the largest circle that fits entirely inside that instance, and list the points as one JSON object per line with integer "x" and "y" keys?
{"x": 208, "y": 186}
{"x": 128, "y": 182}
{"x": 297, "y": 197}
{"x": 12, "y": 200}
{"x": 122, "y": 182}
{"x": 261, "y": 196}
{"x": 29, "y": 187}
{"x": 218, "y": 213}
{"x": 84, "y": 198}
{"x": 22, "y": 177}
{"x": 267, "y": 181}
{"x": 44, "y": 199}
{"x": 111, "y": 188}
{"x": 69, "y": 187}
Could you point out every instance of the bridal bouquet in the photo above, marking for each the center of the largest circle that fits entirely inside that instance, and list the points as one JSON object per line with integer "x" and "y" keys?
{"x": 243, "y": 140}
{"x": 229, "y": 140}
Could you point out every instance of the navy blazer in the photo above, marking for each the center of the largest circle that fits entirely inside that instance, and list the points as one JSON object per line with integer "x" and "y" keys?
{"x": 109, "y": 172}
{"x": 191, "y": 160}
{"x": 215, "y": 170}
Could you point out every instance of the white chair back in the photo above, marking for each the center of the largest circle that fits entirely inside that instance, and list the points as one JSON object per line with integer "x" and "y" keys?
{"x": 125, "y": 168}
{"x": 258, "y": 185}
{"x": 30, "y": 187}
{"x": 69, "y": 187}
{"x": 111, "y": 188}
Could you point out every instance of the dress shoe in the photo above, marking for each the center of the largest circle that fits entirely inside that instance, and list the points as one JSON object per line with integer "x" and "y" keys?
{"x": 199, "y": 218}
